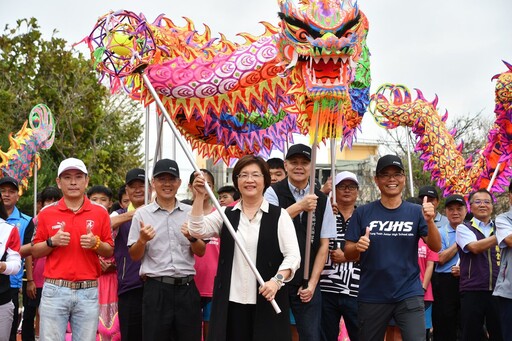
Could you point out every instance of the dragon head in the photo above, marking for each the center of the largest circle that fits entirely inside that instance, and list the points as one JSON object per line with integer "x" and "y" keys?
{"x": 323, "y": 43}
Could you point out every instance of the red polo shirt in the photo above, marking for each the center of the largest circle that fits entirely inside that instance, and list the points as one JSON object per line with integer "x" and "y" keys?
{"x": 72, "y": 262}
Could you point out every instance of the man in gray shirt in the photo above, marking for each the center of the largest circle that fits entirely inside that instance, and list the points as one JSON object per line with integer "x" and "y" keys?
{"x": 171, "y": 301}
{"x": 503, "y": 287}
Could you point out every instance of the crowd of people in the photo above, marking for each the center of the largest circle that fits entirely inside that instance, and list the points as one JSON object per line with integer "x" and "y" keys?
{"x": 172, "y": 269}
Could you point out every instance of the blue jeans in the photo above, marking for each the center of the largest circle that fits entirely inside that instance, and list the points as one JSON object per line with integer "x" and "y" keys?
{"x": 60, "y": 305}
{"x": 334, "y": 306}
{"x": 307, "y": 315}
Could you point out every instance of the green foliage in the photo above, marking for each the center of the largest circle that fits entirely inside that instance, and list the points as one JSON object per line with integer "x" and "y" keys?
{"x": 102, "y": 130}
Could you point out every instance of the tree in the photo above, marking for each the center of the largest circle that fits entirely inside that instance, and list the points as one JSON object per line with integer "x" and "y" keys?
{"x": 103, "y": 130}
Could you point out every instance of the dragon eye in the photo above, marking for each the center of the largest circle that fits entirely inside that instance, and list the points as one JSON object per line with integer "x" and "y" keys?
{"x": 298, "y": 33}
{"x": 301, "y": 35}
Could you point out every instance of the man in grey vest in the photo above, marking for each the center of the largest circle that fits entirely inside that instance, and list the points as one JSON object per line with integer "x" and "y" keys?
{"x": 479, "y": 266}
{"x": 292, "y": 193}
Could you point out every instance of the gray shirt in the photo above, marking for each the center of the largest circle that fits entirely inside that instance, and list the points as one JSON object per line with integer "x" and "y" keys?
{"x": 169, "y": 252}
{"x": 503, "y": 230}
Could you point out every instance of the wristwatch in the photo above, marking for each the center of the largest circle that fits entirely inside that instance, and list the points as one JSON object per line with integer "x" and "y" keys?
{"x": 49, "y": 242}
{"x": 279, "y": 279}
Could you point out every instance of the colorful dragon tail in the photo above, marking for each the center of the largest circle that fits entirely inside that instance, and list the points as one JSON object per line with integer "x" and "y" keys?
{"x": 441, "y": 157}
{"x": 22, "y": 155}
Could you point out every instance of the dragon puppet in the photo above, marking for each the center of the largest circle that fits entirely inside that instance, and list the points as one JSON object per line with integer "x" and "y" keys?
{"x": 19, "y": 160}
{"x": 229, "y": 99}
{"x": 441, "y": 157}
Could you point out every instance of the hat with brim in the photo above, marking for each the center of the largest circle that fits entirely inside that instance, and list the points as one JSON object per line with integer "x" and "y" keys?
{"x": 387, "y": 161}
{"x": 71, "y": 164}
{"x": 455, "y": 199}
{"x": 135, "y": 174}
{"x": 10, "y": 181}
{"x": 299, "y": 149}
{"x": 345, "y": 175}
{"x": 166, "y": 166}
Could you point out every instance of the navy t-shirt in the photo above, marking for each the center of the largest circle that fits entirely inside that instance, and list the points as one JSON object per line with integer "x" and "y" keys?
{"x": 389, "y": 268}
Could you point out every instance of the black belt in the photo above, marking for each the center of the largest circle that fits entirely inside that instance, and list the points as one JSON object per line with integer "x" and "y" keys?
{"x": 173, "y": 280}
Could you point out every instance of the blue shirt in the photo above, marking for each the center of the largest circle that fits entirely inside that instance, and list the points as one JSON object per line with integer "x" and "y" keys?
{"x": 389, "y": 268}
{"x": 447, "y": 239}
{"x": 440, "y": 220}
{"x": 21, "y": 221}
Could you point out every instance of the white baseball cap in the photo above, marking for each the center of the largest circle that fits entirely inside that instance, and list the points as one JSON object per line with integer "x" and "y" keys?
{"x": 71, "y": 163}
{"x": 346, "y": 176}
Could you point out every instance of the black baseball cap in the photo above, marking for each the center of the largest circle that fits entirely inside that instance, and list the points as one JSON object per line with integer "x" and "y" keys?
{"x": 389, "y": 160}
{"x": 428, "y": 191}
{"x": 166, "y": 166}
{"x": 299, "y": 149}
{"x": 135, "y": 174}
{"x": 10, "y": 181}
{"x": 455, "y": 199}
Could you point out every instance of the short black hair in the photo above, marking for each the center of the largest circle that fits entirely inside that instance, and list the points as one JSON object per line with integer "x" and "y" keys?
{"x": 275, "y": 163}
{"x": 100, "y": 189}
{"x": 51, "y": 193}
{"x": 205, "y": 171}
{"x": 121, "y": 192}
{"x": 481, "y": 190}
{"x": 231, "y": 190}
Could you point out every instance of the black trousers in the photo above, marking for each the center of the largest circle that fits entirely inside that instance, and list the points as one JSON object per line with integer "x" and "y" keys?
{"x": 409, "y": 315}
{"x": 15, "y": 293}
{"x": 477, "y": 308}
{"x": 446, "y": 306}
{"x": 29, "y": 313}
{"x": 240, "y": 321}
{"x": 130, "y": 314}
{"x": 171, "y": 312}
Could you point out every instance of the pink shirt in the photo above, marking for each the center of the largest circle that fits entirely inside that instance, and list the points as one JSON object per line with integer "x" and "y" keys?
{"x": 37, "y": 273}
{"x": 425, "y": 255}
{"x": 206, "y": 268}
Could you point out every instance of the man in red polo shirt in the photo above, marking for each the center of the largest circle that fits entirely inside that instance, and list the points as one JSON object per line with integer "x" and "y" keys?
{"x": 71, "y": 233}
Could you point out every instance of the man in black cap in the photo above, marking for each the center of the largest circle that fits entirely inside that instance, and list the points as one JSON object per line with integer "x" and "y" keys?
{"x": 384, "y": 235}
{"x": 171, "y": 304}
{"x": 445, "y": 279}
{"x": 9, "y": 190}
{"x": 292, "y": 193}
{"x": 130, "y": 285}
{"x": 432, "y": 196}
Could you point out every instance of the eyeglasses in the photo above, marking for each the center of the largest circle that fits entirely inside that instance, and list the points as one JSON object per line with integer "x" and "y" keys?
{"x": 347, "y": 187}
{"x": 482, "y": 202}
{"x": 387, "y": 176}
{"x": 246, "y": 176}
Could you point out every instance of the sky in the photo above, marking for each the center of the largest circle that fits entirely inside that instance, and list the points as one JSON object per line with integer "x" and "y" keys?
{"x": 449, "y": 48}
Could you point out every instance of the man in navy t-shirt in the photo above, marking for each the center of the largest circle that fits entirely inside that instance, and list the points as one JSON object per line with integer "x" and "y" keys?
{"x": 384, "y": 236}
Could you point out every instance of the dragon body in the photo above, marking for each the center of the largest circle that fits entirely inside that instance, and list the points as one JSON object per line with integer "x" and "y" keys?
{"x": 436, "y": 145}
{"x": 36, "y": 134}
{"x": 309, "y": 74}
{"x": 230, "y": 99}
